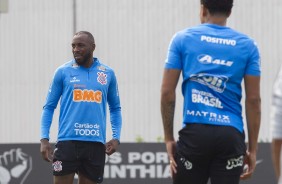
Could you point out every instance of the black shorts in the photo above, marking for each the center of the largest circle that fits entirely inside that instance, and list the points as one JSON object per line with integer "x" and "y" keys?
{"x": 209, "y": 152}
{"x": 87, "y": 158}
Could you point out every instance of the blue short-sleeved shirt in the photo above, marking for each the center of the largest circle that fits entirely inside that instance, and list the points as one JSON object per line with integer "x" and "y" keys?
{"x": 214, "y": 60}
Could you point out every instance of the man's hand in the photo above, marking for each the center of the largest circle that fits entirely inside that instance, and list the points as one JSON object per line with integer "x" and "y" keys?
{"x": 249, "y": 165}
{"x": 111, "y": 146}
{"x": 171, "y": 149}
{"x": 46, "y": 150}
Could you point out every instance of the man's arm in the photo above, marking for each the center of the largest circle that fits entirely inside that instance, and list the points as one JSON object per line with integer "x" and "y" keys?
{"x": 115, "y": 116}
{"x": 54, "y": 94}
{"x": 253, "y": 117}
{"x": 170, "y": 80}
{"x": 168, "y": 98}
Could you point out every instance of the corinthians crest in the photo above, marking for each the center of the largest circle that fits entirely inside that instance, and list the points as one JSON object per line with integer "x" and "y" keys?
{"x": 102, "y": 78}
{"x": 57, "y": 166}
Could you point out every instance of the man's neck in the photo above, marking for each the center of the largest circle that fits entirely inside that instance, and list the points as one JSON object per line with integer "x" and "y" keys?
{"x": 218, "y": 20}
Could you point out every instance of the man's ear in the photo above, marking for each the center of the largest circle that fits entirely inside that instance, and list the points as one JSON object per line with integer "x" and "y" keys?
{"x": 94, "y": 46}
{"x": 229, "y": 13}
{"x": 203, "y": 13}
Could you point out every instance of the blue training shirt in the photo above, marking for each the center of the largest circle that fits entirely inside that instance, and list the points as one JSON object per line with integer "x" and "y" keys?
{"x": 214, "y": 60}
{"x": 84, "y": 94}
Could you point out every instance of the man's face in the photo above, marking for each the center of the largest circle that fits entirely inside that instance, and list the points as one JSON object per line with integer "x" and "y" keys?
{"x": 82, "y": 49}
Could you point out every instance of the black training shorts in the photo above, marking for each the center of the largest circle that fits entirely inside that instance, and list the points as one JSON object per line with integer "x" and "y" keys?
{"x": 209, "y": 152}
{"x": 87, "y": 158}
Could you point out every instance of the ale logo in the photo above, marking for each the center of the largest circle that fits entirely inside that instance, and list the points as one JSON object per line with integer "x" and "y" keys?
{"x": 87, "y": 96}
{"x": 207, "y": 59}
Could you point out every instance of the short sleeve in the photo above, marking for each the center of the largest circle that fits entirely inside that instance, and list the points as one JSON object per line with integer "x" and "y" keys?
{"x": 173, "y": 60}
{"x": 253, "y": 66}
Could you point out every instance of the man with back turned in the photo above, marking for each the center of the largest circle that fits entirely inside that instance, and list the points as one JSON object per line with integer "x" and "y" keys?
{"x": 214, "y": 60}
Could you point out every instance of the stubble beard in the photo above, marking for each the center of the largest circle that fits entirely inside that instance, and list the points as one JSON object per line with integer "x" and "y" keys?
{"x": 84, "y": 61}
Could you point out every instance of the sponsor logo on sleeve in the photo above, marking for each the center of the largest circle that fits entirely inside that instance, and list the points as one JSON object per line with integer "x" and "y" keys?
{"x": 102, "y": 68}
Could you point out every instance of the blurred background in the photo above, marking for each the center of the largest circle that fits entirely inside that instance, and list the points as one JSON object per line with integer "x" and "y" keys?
{"x": 132, "y": 37}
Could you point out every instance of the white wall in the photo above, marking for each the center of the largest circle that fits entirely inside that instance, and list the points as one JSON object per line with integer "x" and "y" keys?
{"x": 132, "y": 37}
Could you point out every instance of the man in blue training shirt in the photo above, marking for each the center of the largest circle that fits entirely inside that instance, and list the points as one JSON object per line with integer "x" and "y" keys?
{"x": 213, "y": 59}
{"x": 84, "y": 87}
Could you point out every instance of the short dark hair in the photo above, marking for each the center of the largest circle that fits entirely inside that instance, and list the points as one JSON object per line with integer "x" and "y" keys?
{"x": 90, "y": 36}
{"x": 218, "y": 6}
